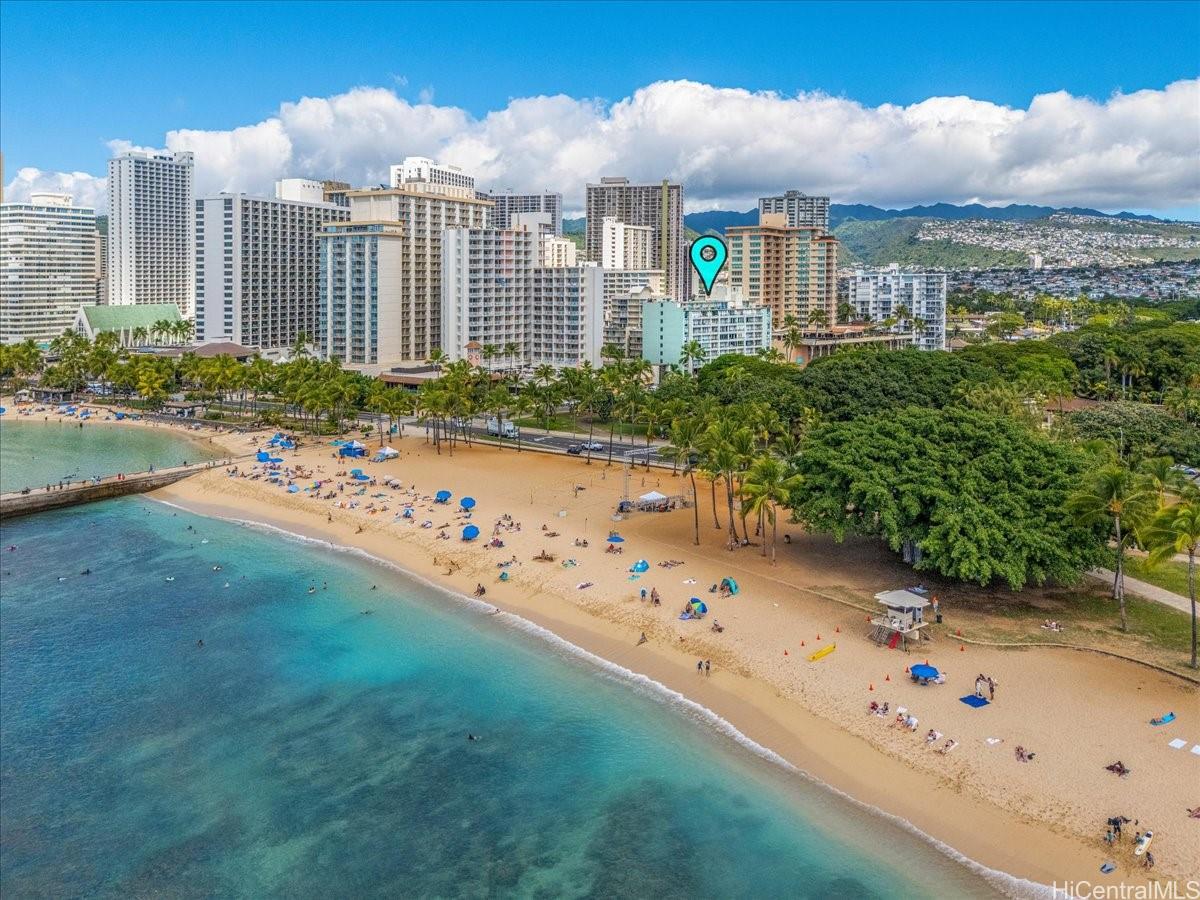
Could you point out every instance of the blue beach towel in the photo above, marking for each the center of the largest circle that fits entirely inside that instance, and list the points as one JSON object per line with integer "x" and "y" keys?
{"x": 973, "y": 701}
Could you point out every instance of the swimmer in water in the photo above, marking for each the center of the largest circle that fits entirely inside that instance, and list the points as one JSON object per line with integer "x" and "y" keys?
{"x": 472, "y": 737}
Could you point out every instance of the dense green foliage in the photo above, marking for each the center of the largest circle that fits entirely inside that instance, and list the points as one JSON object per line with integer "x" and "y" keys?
{"x": 982, "y": 497}
{"x": 1139, "y": 430}
{"x": 848, "y": 385}
{"x": 1140, "y": 359}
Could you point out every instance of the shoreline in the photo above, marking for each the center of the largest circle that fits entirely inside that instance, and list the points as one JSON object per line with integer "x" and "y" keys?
{"x": 1010, "y": 884}
{"x": 940, "y": 807}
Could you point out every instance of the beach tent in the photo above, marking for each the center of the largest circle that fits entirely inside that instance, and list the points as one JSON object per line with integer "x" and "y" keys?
{"x": 262, "y": 456}
{"x": 408, "y": 513}
{"x": 640, "y": 566}
{"x": 442, "y": 497}
{"x": 730, "y": 585}
{"x": 699, "y": 606}
{"x": 470, "y": 532}
{"x": 467, "y": 502}
{"x": 923, "y": 671}
{"x": 352, "y": 451}
{"x": 652, "y": 497}
{"x": 387, "y": 453}
{"x": 293, "y": 489}
{"x": 275, "y": 459}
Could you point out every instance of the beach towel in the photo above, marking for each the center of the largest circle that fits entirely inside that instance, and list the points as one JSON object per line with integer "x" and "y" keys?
{"x": 994, "y": 741}
{"x": 1177, "y": 744}
{"x": 1196, "y": 749}
{"x": 973, "y": 701}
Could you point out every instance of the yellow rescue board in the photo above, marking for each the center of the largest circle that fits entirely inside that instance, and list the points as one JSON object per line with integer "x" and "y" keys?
{"x": 822, "y": 653}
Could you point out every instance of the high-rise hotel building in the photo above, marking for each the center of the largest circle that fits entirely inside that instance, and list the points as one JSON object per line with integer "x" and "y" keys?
{"x": 47, "y": 266}
{"x": 257, "y": 268}
{"x": 658, "y": 206}
{"x": 798, "y": 209}
{"x": 790, "y": 268}
{"x": 151, "y": 229}
{"x": 510, "y": 203}
{"x": 878, "y": 295}
{"x": 381, "y": 272}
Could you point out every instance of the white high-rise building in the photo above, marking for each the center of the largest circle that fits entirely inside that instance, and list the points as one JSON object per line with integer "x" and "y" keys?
{"x": 558, "y": 252}
{"x": 510, "y": 203}
{"x": 625, "y": 246}
{"x": 799, "y": 210}
{"x": 361, "y": 310}
{"x": 47, "y": 266}
{"x": 495, "y": 293}
{"x": 151, "y": 229}
{"x": 420, "y": 170}
{"x": 257, "y": 268}
{"x": 879, "y": 294}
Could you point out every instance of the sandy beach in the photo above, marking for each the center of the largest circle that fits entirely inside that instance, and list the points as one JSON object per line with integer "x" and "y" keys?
{"x": 1042, "y": 820}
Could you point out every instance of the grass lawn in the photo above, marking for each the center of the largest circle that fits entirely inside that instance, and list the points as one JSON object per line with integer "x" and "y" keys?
{"x": 1169, "y": 574}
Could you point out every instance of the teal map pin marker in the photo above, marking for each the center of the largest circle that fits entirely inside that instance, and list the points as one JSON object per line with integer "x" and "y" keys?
{"x": 708, "y": 256}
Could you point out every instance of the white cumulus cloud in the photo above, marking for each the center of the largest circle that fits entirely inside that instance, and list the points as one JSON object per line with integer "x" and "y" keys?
{"x": 728, "y": 145}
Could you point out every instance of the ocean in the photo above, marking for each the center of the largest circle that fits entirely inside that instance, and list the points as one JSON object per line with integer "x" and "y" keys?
{"x": 36, "y": 453}
{"x": 188, "y": 720}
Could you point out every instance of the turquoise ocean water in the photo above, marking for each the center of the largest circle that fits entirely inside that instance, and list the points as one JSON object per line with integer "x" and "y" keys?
{"x": 34, "y": 454}
{"x": 316, "y": 744}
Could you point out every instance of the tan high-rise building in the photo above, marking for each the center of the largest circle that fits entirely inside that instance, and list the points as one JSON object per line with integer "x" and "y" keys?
{"x": 404, "y": 324}
{"x": 791, "y": 269}
{"x": 656, "y": 206}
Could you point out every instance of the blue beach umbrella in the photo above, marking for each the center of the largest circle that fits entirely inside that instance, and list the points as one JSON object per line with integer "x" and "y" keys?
{"x": 923, "y": 671}
{"x": 442, "y": 496}
{"x": 615, "y": 539}
{"x": 699, "y": 605}
{"x": 467, "y": 502}
{"x": 470, "y": 532}
{"x": 262, "y": 456}
{"x": 640, "y": 566}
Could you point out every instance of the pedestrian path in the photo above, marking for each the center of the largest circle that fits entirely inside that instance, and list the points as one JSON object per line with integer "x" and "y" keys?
{"x": 1147, "y": 591}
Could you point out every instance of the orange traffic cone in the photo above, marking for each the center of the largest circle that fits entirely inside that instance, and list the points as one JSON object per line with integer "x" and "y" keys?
{"x": 837, "y": 629}
{"x": 801, "y": 643}
{"x": 785, "y": 653}
{"x": 887, "y": 677}
{"x": 958, "y": 631}
{"x": 961, "y": 648}
{"x": 906, "y": 670}
{"x": 871, "y": 687}
{"x": 818, "y": 637}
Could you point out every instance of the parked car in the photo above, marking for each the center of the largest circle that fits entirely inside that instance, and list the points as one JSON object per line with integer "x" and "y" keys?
{"x": 574, "y": 449}
{"x": 592, "y": 445}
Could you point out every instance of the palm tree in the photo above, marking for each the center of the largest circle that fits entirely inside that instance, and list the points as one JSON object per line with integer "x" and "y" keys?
{"x": 438, "y": 358}
{"x": 691, "y": 354}
{"x": 510, "y": 351}
{"x": 489, "y": 353}
{"x": 1184, "y": 400}
{"x": 299, "y": 348}
{"x": 1176, "y": 529}
{"x": 185, "y": 329}
{"x": 684, "y": 449}
{"x": 1116, "y": 495}
{"x": 818, "y": 319}
{"x": 139, "y": 334}
{"x": 768, "y": 485}
{"x": 1163, "y": 476}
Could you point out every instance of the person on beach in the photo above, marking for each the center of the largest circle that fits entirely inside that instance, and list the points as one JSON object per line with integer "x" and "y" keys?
{"x": 643, "y": 639}
{"x": 707, "y": 667}
{"x": 699, "y": 667}
{"x": 991, "y": 689}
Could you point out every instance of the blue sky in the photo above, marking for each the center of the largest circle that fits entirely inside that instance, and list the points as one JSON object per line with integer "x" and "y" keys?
{"x": 77, "y": 75}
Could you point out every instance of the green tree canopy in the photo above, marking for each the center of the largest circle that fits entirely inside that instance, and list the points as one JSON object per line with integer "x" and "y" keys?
{"x": 982, "y": 497}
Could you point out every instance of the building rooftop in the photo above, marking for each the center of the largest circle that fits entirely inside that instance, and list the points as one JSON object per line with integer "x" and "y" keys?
{"x": 120, "y": 318}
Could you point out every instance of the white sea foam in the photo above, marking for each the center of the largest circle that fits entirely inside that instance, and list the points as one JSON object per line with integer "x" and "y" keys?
{"x": 1003, "y": 882}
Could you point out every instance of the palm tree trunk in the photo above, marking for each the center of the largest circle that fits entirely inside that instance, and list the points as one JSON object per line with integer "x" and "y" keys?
{"x": 712, "y": 483}
{"x": 696, "y": 541}
{"x": 733, "y": 535}
{"x": 774, "y": 532}
{"x": 1192, "y": 595}
{"x": 1119, "y": 581}
{"x": 591, "y": 435}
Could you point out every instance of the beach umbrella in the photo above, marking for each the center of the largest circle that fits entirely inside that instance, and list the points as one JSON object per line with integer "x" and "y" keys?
{"x": 615, "y": 539}
{"x": 442, "y": 496}
{"x": 923, "y": 671}
{"x": 470, "y": 532}
{"x": 293, "y": 489}
{"x": 467, "y": 502}
{"x": 408, "y": 513}
{"x": 699, "y": 605}
{"x": 262, "y": 456}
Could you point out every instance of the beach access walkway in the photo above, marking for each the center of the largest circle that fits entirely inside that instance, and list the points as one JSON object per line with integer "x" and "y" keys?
{"x": 56, "y": 496}
{"x": 1147, "y": 591}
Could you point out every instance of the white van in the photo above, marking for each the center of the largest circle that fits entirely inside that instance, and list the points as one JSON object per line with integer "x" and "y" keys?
{"x": 509, "y": 430}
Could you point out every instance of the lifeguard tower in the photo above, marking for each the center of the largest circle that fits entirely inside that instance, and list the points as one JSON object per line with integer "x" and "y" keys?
{"x": 902, "y": 618}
